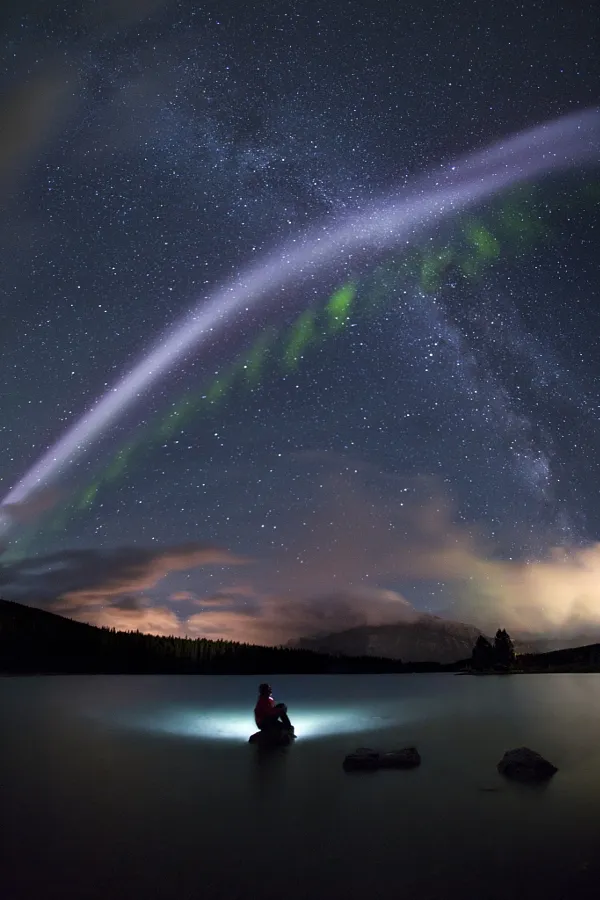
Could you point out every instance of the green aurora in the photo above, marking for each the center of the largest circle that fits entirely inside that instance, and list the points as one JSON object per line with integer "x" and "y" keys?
{"x": 520, "y": 222}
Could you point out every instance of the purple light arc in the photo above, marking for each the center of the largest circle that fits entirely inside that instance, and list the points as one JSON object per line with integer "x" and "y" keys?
{"x": 557, "y": 145}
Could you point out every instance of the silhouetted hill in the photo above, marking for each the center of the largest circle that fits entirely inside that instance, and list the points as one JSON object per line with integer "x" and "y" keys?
{"x": 427, "y": 639}
{"x": 572, "y": 659}
{"x": 35, "y": 641}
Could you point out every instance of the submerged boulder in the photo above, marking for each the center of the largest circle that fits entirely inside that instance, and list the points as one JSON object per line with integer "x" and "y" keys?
{"x": 276, "y": 737}
{"x": 362, "y": 759}
{"x": 524, "y": 764}
{"x": 366, "y": 759}
{"x": 408, "y": 758}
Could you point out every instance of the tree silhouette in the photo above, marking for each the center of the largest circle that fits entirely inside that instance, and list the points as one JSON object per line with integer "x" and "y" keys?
{"x": 483, "y": 656}
{"x": 499, "y": 655}
{"x": 504, "y": 650}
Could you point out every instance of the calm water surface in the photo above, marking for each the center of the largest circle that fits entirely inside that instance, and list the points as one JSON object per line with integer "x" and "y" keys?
{"x": 127, "y": 787}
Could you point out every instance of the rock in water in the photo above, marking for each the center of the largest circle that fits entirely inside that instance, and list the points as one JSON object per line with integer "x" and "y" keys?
{"x": 524, "y": 764}
{"x": 366, "y": 759}
{"x": 277, "y": 737}
{"x": 363, "y": 759}
{"x": 409, "y": 758}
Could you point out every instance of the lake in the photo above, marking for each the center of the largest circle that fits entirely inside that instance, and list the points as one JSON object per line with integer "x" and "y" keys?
{"x": 145, "y": 787}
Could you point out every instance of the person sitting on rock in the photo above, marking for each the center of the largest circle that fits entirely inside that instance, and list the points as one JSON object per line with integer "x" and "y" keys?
{"x": 270, "y": 715}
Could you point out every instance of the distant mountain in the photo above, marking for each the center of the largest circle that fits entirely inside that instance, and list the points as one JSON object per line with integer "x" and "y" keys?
{"x": 425, "y": 639}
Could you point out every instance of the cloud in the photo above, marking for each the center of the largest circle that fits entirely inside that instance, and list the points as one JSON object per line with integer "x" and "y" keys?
{"x": 31, "y": 111}
{"x": 182, "y": 597}
{"x": 37, "y": 107}
{"x": 372, "y": 532}
{"x": 128, "y": 603}
{"x": 28, "y": 510}
{"x": 84, "y": 578}
{"x": 556, "y": 595}
{"x": 230, "y": 595}
{"x": 142, "y": 616}
{"x": 559, "y": 595}
{"x": 131, "y": 570}
{"x": 369, "y": 528}
{"x": 373, "y": 528}
{"x": 276, "y": 620}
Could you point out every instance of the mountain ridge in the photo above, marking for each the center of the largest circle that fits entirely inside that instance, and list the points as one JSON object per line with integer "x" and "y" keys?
{"x": 428, "y": 638}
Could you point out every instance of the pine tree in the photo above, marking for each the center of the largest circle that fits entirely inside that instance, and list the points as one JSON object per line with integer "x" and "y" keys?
{"x": 504, "y": 650}
{"x": 483, "y": 656}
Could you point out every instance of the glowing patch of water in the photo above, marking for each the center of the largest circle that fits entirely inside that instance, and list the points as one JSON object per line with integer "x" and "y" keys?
{"x": 234, "y": 725}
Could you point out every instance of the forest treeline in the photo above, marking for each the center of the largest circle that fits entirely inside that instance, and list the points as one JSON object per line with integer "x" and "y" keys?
{"x": 36, "y": 641}
{"x": 499, "y": 657}
{"x": 33, "y": 640}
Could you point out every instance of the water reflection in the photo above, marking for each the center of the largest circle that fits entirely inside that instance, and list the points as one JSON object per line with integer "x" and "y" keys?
{"x": 150, "y": 781}
{"x": 268, "y": 765}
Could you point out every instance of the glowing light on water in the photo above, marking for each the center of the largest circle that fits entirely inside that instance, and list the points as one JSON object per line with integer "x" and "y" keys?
{"x": 554, "y": 146}
{"x": 232, "y": 725}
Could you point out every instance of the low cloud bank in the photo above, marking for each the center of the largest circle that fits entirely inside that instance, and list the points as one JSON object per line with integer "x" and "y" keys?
{"x": 108, "y": 587}
{"x": 371, "y": 530}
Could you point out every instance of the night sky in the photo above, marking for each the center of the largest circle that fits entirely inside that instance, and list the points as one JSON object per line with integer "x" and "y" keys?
{"x": 436, "y": 446}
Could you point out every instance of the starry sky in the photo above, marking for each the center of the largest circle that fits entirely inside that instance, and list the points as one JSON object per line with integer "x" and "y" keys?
{"x": 439, "y": 452}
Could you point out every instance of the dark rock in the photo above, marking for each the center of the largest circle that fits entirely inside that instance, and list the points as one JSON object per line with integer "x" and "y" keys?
{"x": 408, "y": 758}
{"x": 366, "y": 759}
{"x": 524, "y": 764}
{"x": 362, "y": 759}
{"x": 274, "y": 738}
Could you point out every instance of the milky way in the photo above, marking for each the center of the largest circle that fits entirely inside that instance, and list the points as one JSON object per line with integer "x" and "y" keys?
{"x": 553, "y": 146}
{"x": 164, "y": 151}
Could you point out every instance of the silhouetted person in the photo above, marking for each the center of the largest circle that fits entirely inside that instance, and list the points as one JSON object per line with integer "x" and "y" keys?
{"x": 268, "y": 714}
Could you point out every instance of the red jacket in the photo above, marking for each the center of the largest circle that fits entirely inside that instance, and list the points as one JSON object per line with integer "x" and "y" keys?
{"x": 263, "y": 709}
